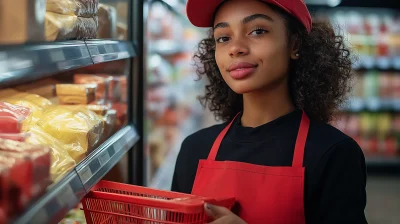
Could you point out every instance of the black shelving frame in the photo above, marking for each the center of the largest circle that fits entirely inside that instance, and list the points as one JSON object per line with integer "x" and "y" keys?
{"x": 30, "y": 62}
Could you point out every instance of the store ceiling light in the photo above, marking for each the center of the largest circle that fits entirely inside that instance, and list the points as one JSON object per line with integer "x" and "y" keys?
{"x": 331, "y": 3}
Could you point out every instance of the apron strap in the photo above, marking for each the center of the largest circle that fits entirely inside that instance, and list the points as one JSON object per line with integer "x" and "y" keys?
{"x": 298, "y": 155}
{"x": 218, "y": 141}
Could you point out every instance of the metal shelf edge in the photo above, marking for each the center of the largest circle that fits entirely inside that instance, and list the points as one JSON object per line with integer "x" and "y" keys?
{"x": 97, "y": 164}
{"x": 35, "y": 61}
{"x": 109, "y": 50}
{"x": 68, "y": 192}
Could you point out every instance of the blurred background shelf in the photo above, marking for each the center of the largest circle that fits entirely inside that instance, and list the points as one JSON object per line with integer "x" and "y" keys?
{"x": 67, "y": 193}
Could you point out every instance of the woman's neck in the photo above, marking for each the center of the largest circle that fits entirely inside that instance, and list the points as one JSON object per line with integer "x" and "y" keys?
{"x": 261, "y": 107}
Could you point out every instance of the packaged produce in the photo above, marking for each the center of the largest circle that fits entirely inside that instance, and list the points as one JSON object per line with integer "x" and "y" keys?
{"x": 11, "y": 117}
{"x": 78, "y": 128}
{"x": 110, "y": 123}
{"x": 84, "y": 8}
{"x": 61, "y": 161}
{"x": 107, "y": 22}
{"x": 35, "y": 103}
{"x": 33, "y": 176}
{"x": 22, "y": 21}
{"x": 76, "y": 93}
{"x": 67, "y": 27}
{"x": 44, "y": 88}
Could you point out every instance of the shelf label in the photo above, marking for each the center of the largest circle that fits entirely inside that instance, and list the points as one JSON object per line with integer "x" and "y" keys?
{"x": 93, "y": 50}
{"x": 118, "y": 145}
{"x": 57, "y": 55}
{"x": 41, "y": 216}
{"x": 66, "y": 197}
{"x": 85, "y": 174}
{"x": 103, "y": 158}
{"x": 109, "y": 49}
{"x": 84, "y": 52}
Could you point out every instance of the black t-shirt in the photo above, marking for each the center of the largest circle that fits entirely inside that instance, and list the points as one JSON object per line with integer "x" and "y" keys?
{"x": 335, "y": 178}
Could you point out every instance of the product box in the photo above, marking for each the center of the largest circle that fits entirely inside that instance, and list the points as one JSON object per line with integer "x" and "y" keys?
{"x": 22, "y": 21}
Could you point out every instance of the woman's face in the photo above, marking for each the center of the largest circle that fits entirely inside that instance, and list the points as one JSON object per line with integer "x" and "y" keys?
{"x": 252, "y": 48}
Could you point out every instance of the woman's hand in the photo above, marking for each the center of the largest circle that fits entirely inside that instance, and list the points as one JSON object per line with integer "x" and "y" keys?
{"x": 222, "y": 215}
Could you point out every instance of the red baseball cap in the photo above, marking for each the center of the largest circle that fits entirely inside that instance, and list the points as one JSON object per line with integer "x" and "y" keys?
{"x": 201, "y": 12}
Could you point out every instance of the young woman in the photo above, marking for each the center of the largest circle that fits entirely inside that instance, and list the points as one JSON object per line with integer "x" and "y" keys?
{"x": 276, "y": 79}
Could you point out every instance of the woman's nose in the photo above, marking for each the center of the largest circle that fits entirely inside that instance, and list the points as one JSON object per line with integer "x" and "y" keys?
{"x": 238, "y": 48}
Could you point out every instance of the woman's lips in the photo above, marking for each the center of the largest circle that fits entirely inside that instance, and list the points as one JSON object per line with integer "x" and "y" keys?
{"x": 241, "y": 70}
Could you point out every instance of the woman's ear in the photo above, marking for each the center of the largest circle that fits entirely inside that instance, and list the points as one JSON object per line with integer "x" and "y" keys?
{"x": 294, "y": 47}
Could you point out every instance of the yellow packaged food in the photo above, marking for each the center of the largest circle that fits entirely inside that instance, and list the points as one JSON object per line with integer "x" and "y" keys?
{"x": 77, "y": 127}
{"x": 61, "y": 161}
{"x": 7, "y": 93}
{"x": 35, "y": 103}
{"x": 76, "y": 93}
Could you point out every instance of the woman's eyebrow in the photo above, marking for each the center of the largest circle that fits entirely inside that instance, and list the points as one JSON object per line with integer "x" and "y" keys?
{"x": 245, "y": 20}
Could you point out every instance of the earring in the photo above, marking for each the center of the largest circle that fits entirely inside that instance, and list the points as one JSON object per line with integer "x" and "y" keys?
{"x": 297, "y": 54}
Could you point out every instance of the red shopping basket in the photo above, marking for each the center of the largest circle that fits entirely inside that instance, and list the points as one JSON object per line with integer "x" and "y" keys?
{"x": 111, "y": 203}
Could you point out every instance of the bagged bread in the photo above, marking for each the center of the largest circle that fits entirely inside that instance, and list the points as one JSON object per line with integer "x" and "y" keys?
{"x": 78, "y": 128}
{"x": 83, "y": 8}
{"x": 61, "y": 161}
{"x": 66, "y": 27}
{"x": 107, "y": 22}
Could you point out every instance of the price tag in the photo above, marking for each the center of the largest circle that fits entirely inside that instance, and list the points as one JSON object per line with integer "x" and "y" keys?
{"x": 109, "y": 49}
{"x": 85, "y": 174}
{"x": 117, "y": 146}
{"x": 94, "y": 50}
{"x": 66, "y": 197}
{"x": 84, "y": 52}
{"x": 57, "y": 55}
{"x": 103, "y": 158}
{"x": 41, "y": 216}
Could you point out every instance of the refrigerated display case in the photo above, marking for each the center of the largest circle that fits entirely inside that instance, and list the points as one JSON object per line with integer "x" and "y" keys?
{"x": 79, "y": 77}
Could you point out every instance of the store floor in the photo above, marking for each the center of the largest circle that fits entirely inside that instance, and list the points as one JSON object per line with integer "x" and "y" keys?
{"x": 383, "y": 206}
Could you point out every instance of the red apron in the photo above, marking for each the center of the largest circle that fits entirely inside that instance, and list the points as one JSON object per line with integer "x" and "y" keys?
{"x": 265, "y": 194}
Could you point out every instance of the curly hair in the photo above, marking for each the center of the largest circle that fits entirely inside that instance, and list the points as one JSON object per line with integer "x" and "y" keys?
{"x": 318, "y": 81}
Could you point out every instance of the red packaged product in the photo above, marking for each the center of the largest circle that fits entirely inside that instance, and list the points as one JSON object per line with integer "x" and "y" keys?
{"x": 34, "y": 174}
{"x": 11, "y": 117}
{"x": 12, "y": 198}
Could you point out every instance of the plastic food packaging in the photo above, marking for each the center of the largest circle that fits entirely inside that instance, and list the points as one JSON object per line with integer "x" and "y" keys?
{"x": 4, "y": 93}
{"x": 21, "y": 137}
{"x": 33, "y": 176}
{"x": 11, "y": 117}
{"x": 61, "y": 161}
{"x": 84, "y": 8}
{"x": 99, "y": 109}
{"x": 76, "y": 93}
{"x": 110, "y": 123}
{"x": 12, "y": 200}
{"x": 34, "y": 102}
{"x": 21, "y": 21}
{"x": 78, "y": 128}
{"x": 104, "y": 84}
{"x": 67, "y": 27}
{"x": 107, "y": 22}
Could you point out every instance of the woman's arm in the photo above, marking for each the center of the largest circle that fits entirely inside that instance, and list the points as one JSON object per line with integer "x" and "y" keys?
{"x": 341, "y": 197}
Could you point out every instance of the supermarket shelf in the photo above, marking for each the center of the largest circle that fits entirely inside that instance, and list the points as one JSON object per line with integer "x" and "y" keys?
{"x": 68, "y": 192}
{"x": 383, "y": 165}
{"x": 32, "y": 62}
{"x": 104, "y": 50}
{"x": 372, "y": 104}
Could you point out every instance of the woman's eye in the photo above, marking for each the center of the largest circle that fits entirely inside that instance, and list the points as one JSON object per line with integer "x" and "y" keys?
{"x": 222, "y": 39}
{"x": 258, "y": 31}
